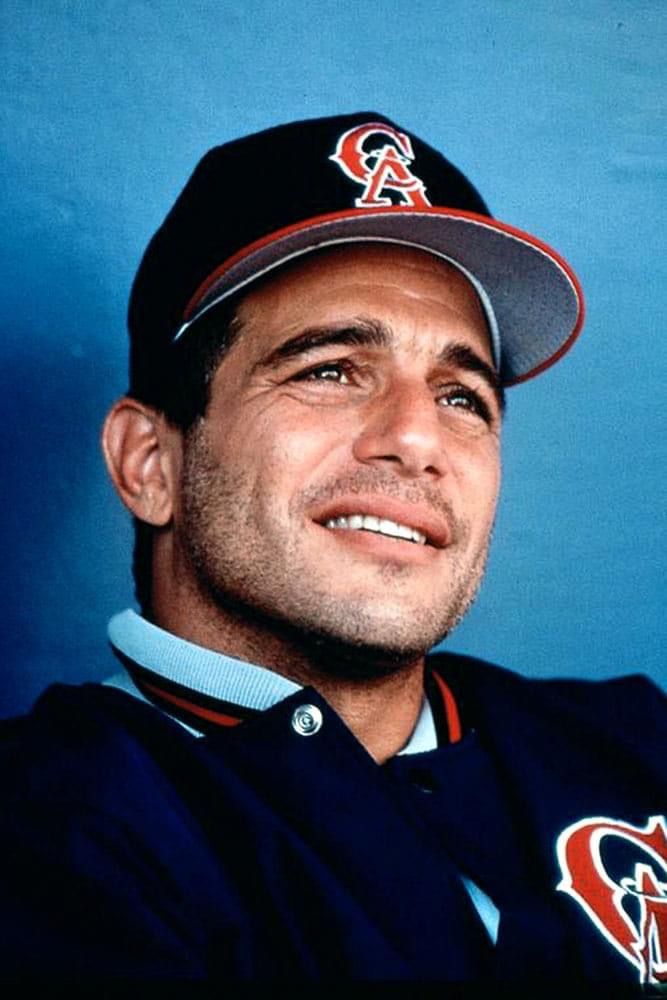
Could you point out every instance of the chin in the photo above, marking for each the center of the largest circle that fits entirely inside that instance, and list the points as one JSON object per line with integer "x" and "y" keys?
{"x": 362, "y": 646}
{"x": 360, "y": 660}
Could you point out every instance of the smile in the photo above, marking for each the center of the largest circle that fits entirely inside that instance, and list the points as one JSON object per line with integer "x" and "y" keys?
{"x": 381, "y": 526}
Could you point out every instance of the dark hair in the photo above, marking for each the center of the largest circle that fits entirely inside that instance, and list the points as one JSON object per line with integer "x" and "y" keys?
{"x": 178, "y": 384}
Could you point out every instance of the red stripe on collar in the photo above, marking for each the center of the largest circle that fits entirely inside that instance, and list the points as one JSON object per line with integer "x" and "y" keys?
{"x": 454, "y": 727}
{"x": 218, "y": 718}
{"x": 191, "y": 712}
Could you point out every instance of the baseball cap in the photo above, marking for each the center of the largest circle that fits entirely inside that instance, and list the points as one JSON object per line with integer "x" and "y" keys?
{"x": 263, "y": 200}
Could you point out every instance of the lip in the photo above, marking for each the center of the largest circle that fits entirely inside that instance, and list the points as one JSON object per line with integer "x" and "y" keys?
{"x": 434, "y": 527}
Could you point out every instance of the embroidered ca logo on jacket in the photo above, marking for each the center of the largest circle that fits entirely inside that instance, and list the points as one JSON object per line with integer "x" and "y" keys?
{"x": 630, "y": 910}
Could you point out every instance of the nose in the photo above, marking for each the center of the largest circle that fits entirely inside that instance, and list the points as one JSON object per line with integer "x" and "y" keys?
{"x": 403, "y": 429}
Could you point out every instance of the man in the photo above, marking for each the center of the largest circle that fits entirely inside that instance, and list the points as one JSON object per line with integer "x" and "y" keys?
{"x": 278, "y": 781}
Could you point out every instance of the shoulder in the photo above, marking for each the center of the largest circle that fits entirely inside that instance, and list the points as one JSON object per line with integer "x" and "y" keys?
{"x": 79, "y": 741}
{"x": 625, "y": 717}
{"x": 632, "y": 691}
{"x": 92, "y": 820}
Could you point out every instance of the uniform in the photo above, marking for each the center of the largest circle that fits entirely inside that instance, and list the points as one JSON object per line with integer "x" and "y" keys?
{"x": 275, "y": 847}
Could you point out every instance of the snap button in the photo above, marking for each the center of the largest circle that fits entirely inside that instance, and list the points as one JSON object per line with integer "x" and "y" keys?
{"x": 307, "y": 720}
{"x": 423, "y": 781}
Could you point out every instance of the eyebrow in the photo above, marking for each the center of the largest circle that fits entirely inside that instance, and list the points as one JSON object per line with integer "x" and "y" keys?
{"x": 371, "y": 333}
{"x": 359, "y": 333}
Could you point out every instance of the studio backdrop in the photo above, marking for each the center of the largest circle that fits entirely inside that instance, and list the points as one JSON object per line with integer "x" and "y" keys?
{"x": 555, "y": 110}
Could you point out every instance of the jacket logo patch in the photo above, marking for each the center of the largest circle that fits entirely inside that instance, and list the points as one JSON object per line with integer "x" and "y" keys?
{"x": 618, "y": 873}
{"x": 381, "y": 167}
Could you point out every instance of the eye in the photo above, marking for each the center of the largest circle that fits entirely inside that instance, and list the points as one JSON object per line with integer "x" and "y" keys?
{"x": 333, "y": 371}
{"x": 466, "y": 399}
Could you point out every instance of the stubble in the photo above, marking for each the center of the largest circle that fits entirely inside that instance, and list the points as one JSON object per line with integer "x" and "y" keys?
{"x": 249, "y": 566}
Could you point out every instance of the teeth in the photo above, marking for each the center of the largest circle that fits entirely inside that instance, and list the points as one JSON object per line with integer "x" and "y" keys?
{"x": 367, "y": 522}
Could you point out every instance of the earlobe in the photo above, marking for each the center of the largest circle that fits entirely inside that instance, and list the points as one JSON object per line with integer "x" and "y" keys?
{"x": 136, "y": 447}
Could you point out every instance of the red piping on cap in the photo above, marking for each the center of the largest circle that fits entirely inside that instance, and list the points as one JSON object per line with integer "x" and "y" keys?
{"x": 484, "y": 220}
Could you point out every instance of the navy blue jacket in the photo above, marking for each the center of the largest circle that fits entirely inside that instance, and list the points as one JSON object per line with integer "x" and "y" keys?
{"x": 129, "y": 847}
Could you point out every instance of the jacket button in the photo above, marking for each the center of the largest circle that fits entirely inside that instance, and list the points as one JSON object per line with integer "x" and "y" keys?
{"x": 307, "y": 720}
{"x": 423, "y": 781}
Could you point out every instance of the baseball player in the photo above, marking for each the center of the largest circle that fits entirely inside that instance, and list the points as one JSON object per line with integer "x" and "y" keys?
{"x": 277, "y": 780}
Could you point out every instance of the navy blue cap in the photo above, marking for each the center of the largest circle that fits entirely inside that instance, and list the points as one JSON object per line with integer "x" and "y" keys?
{"x": 265, "y": 199}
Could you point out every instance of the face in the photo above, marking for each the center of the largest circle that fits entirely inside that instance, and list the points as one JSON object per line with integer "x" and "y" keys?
{"x": 344, "y": 480}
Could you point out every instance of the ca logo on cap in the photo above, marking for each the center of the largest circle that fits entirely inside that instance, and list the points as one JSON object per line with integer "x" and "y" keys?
{"x": 380, "y": 166}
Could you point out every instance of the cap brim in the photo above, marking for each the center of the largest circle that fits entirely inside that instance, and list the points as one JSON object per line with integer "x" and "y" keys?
{"x": 534, "y": 294}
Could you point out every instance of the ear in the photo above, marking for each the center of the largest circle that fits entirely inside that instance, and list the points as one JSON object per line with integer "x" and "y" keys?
{"x": 139, "y": 449}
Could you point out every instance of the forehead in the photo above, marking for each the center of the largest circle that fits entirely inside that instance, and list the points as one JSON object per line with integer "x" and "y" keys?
{"x": 414, "y": 290}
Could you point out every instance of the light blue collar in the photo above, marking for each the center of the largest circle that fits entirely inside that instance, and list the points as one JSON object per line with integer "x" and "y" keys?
{"x": 214, "y": 674}
{"x": 218, "y": 675}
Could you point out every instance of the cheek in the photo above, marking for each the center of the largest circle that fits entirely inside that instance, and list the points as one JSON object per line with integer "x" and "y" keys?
{"x": 478, "y": 478}
{"x": 282, "y": 449}
{"x": 489, "y": 487}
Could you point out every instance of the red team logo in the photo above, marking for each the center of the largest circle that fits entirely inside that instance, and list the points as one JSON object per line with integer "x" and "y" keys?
{"x": 631, "y": 910}
{"x": 380, "y": 166}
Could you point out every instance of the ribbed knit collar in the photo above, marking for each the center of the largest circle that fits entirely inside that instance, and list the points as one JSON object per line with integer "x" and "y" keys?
{"x": 171, "y": 672}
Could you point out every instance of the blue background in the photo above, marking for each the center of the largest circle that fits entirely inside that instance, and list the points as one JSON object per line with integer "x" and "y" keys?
{"x": 553, "y": 110}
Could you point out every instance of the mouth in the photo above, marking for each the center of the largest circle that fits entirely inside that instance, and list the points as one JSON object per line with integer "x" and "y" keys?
{"x": 378, "y": 525}
{"x": 386, "y": 518}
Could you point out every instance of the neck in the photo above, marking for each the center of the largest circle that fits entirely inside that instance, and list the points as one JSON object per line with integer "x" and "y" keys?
{"x": 381, "y": 713}
{"x": 378, "y": 698}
